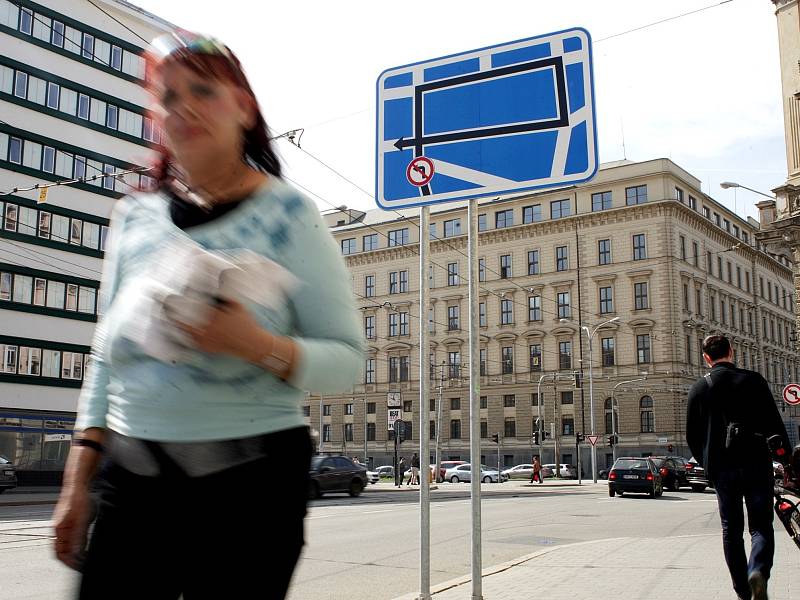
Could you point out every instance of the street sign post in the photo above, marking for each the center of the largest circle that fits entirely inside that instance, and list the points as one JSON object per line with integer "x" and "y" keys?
{"x": 791, "y": 394}
{"x": 487, "y": 122}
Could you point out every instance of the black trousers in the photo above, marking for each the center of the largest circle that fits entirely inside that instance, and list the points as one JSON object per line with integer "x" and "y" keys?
{"x": 754, "y": 484}
{"x": 236, "y": 533}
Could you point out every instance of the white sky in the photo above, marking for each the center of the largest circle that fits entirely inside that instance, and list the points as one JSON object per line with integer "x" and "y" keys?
{"x": 703, "y": 90}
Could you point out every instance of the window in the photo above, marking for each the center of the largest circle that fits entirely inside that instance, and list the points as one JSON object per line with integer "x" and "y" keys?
{"x": 682, "y": 243}
{"x": 482, "y": 314}
{"x": 739, "y": 277}
{"x": 641, "y": 301}
{"x": 692, "y": 202}
{"x": 726, "y": 224}
{"x": 510, "y": 429}
{"x": 534, "y": 308}
{"x": 535, "y": 355}
{"x": 48, "y": 159}
{"x": 706, "y": 213}
{"x": 483, "y": 362}
{"x": 403, "y": 282}
{"x": 484, "y": 429}
{"x": 452, "y": 274}
{"x": 369, "y": 327}
{"x": 533, "y": 262}
{"x": 482, "y": 226}
{"x": 348, "y": 431}
{"x": 53, "y": 95}
{"x": 695, "y": 254}
{"x": 506, "y": 312}
{"x": 508, "y": 360}
{"x": 639, "y": 247}
{"x": 481, "y": 269}
{"x": 712, "y": 300}
{"x": 643, "y": 348}
{"x": 57, "y": 34}
{"x": 5, "y": 286}
{"x": 607, "y": 345}
{"x": 108, "y": 182}
{"x": 369, "y": 376}
{"x": 83, "y": 106}
{"x": 23, "y": 289}
{"x": 647, "y": 420}
{"x": 369, "y": 242}
{"x": 568, "y": 426}
{"x": 349, "y": 246}
{"x": 454, "y": 364}
{"x": 432, "y": 430}
{"x": 685, "y": 297}
{"x": 432, "y": 231}
{"x": 698, "y": 302}
{"x": 567, "y": 397}
{"x": 562, "y": 301}
{"x": 606, "y": 300}
{"x": 393, "y": 282}
{"x": 730, "y": 272}
{"x": 503, "y": 218}
{"x": 505, "y": 266}
{"x": 404, "y": 323}
{"x": 15, "y": 150}
{"x": 394, "y": 369}
{"x": 326, "y": 432}
{"x": 9, "y": 358}
{"x": 455, "y": 429}
{"x": 717, "y": 220}
{"x": 604, "y": 252}
{"x": 404, "y": 364}
{"x": 532, "y": 214}
{"x": 398, "y": 237}
{"x": 55, "y": 295}
{"x": 559, "y": 209}
{"x": 601, "y": 201}
{"x": 452, "y": 227}
{"x": 679, "y": 195}
{"x": 393, "y": 324}
{"x": 736, "y": 230}
{"x": 484, "y": 402}
{"x": 453, "y": 318}
{"x": 326, "y": 410}
{"x": 26, "y": 21}
{"x": 369, "y": 286}
{"x": 86, "y": 300}
{"x": 72, "y": 365}
{"x": 112, "y": 116}
{"x": 562, "y": 258}
{"x": 635, "y": 195}
{"x": 30, "y": 360}
{"x": 564, "y": 355}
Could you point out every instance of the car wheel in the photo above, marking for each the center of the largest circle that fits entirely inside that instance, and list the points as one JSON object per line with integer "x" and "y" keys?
{"x": 313, "y": 490}
{"x": 620, "y": 492}
{"x": 698, "y": 488}
{"x": 356, "y": 486}
{"x": 487, "y": 479}
{"x": 611, "y": 492}
{"x": 454, "y": 479}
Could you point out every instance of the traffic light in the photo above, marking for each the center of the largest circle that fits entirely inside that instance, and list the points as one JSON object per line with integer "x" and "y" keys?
{"x": 535, "y": 438}
{"x": 670, "y": 448}
{"x": 496, "y": 438}
{"x": 579, "y": 437}
{"x": 400, "y": 431}
{"x": 612, "y": 439}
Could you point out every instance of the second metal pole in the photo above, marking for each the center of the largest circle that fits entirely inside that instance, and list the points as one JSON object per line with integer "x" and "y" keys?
{"x": 424, "y": 415}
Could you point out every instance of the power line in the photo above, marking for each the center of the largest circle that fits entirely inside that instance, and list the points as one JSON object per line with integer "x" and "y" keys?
{"x": 146, "y": 41}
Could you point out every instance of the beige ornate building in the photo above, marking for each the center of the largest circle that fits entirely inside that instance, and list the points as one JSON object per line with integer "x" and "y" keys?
{"x": 640, "y": 242}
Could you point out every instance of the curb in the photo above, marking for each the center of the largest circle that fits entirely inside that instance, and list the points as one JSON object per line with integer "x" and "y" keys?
{"x": 28, "y": 503}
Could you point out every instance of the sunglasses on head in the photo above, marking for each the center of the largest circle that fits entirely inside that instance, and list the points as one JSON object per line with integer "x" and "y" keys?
{"x": 181, "y": 42}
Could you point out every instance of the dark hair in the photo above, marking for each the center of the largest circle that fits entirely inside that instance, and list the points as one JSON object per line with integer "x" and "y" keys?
{"x": 716, "y": 346}
{"x": 258, "y": 149}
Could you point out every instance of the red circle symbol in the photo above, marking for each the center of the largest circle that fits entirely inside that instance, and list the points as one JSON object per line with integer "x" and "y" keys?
{"x": 420, "y": 171}
{"x": 791, "y": 394}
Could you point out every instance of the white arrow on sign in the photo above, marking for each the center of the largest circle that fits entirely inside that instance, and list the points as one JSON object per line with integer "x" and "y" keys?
{"x": 592, "y": 439}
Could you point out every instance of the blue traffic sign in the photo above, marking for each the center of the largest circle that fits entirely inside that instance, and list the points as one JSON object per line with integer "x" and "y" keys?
{"x": 506, "y": 118}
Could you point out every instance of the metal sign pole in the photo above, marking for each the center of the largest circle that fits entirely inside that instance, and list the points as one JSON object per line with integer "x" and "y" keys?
{"x": 424, "y": 414}
{"x": 474, "y": 400}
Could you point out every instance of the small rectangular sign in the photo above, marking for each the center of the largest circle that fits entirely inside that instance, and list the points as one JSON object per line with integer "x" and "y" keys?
{"x": 393, "y": 415}
{"x": 394, "y": 400}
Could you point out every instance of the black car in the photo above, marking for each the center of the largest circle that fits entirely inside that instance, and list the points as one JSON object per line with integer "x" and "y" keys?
{"x": 8, "y": 475}
{"x": 673, "y": 471}
{"x": 696, "y": 476}
{"x": 336, "y": 474}
{"x": 632, "y": 474}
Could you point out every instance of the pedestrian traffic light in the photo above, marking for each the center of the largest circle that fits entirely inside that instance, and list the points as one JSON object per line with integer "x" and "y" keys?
{"x": 535, "y": 438}
{"x": 496, "y": 438}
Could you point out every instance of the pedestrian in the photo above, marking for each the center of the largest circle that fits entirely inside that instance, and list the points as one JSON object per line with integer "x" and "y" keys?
{"x": 730, "y": 415}
{"x": 191, "y": 446}
{"x": 401, "y": 469}
{"x": 414, "y": 469}
{"x": 356, "y": 461}
{"x": 537, "y": 470}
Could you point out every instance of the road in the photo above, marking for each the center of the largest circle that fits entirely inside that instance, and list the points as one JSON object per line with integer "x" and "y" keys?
{"x": 366, "y": 548}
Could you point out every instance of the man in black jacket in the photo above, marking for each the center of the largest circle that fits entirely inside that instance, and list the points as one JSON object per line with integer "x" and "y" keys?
{"x": 730, "y": 415}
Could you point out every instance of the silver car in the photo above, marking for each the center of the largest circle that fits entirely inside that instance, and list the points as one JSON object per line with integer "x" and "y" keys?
{"x": 566, "y": 471}
{"x": 464, "y": 473}
{"x": 8, "y": 475}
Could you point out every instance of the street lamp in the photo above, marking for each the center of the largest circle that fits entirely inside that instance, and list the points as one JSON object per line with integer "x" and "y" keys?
{"x": 613, "y": 411}
{"x": 590, "y": 337}
{"x": 730, "y": 184}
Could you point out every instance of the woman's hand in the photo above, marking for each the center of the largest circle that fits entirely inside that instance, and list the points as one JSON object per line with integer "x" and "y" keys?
{"x": 230, "y": 329}
{"x": 71, "y": 519}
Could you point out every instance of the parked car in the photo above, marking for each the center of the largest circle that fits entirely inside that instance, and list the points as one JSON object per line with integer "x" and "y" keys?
{"x": 373, "y": 477}
{"x": 696, "y": 476}
{"x": 525, "y": 471}
{"x": 672, "y": 470}
{"x": 464, "y": 473}
{"x": 8, "y": 475}
{"x": 567, "y": 471}
{"x": 336, "y": 474}
{"x": 385, "y": 471}
{"x": 448, "y": 464}
{"x": 635, "y": 474}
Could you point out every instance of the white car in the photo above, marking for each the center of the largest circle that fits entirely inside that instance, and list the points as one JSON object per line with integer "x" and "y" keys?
{"x": 464, "y": 473}
{"x": 373, "y": 476}
{"x": 566, "y": 471}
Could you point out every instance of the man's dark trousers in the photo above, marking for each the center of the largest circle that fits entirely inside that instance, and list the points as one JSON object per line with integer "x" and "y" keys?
{"x": 755, "y": 484}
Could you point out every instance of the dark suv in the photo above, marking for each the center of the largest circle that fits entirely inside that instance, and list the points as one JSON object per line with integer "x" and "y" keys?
{"x": 632, "y": 474}
{"x": 335, "y": 474}
{"x": 673, "y": 471}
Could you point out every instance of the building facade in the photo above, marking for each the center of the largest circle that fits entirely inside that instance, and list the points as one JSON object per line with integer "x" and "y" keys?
{"x": 640, "y": 242}
{"x": 73, "y": 108}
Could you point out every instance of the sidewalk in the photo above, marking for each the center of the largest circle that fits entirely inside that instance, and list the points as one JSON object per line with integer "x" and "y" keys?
{"x": 30, "y": 496}
{"x": 684, "y": 567}
{"x": 516, "y": 486}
